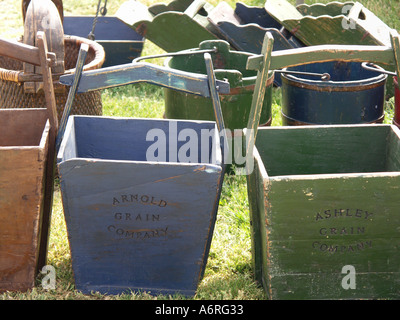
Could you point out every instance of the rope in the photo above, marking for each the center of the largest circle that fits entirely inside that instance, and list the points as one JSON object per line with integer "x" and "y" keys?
{"x": 9, "y": 75}
{"x": 103, "y": 11}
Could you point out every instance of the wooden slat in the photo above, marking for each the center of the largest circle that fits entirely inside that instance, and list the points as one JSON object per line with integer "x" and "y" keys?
{"x": 144, "y": 72}
{"x": 395, "y": 39}
{"x": 322, "y": 53}
{"x": 51, "y": 106}
{"x": 20, "y": 51}
{"x": 72, "y": 92}
{"x": 258, "y": 96}
{"x": 38, "y": 56}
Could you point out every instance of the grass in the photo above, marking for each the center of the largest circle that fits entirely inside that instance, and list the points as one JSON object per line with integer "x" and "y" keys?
{"x": 229, "y": 273}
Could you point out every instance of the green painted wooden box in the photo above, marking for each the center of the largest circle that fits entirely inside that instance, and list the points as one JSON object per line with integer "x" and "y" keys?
{"x": 325, "y": 211}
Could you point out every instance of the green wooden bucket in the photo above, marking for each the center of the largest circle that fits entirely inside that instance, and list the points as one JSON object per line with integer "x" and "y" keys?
{"x": 236, "y": 104}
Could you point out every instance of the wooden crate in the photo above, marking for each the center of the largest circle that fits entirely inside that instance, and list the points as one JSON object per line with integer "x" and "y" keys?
{"x": 176, "y": 26}
{"x": 121, "y": 44}
{"x": 24, "y": 138}
{"x": 135, "y": 223}
{"x": 244, "y": 28}
{"x": 330, "y": 23}
{"x": 323, "y": 198}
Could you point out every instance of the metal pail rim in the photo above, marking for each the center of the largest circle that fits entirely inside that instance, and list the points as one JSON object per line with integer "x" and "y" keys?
{"x": 323, "y": 85}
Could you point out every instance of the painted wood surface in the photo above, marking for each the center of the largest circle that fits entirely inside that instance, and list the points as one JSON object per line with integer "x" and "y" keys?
{"x": 230, "y": 65}
{"x": 120, "y": 42}
{"x": 316, "y": 211}
{"x": 316, "y": 205}
{"x": 135, "y": 218}
{"x": 144, "y": 72}
{"x": 170, "y": 30}
{"x": 83, "y": 51}
{"x": 135, "y": 224}
{"x": 352, "y": 95}
{"x": 268, "y": 60}
{"x": 354, "y": 24}
{"x": 321, "y": 53}
{"x": 247, "y": 34}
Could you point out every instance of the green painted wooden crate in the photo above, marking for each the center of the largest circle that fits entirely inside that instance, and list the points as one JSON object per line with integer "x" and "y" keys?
{"x": 324, "y": 198}
{"x": 331, "y": 23}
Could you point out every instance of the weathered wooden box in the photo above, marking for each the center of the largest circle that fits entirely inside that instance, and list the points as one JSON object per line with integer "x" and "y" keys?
{"x": 139, "y": 203}
{"x": 24, "y": 137}
{"x": 324, "y": 205}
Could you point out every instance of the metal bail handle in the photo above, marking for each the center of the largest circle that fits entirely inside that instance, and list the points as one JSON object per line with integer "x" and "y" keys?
{"x": 367, "y": 66}
{"x": 324, "y": 76}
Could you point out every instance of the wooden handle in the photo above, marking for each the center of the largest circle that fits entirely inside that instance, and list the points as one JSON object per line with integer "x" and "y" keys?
{"x": 23, "y": 52}
{"x": 395, "y": 40}
{"x": 129, "y": 73}
{"x": 355, "y": 11}
{"x": 292, "y": 57}
{"x": 84, "y": 49}
{"x": 258, "y": 95}
{"x": 324, "y": 53}
{"x": 194, "y": 8}
{"x": 48, "y": 87}
{"x": 216, "y": 102}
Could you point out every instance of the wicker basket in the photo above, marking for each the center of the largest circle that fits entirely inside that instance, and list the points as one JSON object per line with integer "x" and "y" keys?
{"x": 12, "y": 92}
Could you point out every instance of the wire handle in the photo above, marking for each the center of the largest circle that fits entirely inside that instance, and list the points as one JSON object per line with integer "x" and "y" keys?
{"x": 367, "y": 66}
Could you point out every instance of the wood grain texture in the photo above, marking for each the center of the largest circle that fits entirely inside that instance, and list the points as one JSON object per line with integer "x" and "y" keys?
{"x": 323, "y": 53}
{"x": 43, "y": 16}
{"x": 324, "y": 207}
{"x": 31, "y": 146}
{"x": 23, "y": 157}
{"x": 144, "y": 72}
{"x": 353, "y": 25}
{"x": 135, "y": 224}
{"x": 170, "y": 30}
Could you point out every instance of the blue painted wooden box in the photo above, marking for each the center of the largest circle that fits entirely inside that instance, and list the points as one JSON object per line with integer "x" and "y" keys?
{"x": 121, "y": 43}
{"x": 139, "y": 203}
